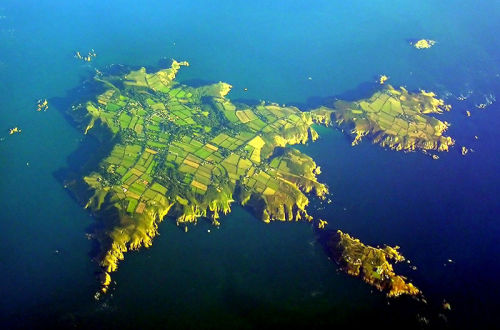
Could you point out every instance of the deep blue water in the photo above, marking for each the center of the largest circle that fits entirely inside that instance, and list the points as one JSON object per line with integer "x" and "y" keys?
{"x": 247, "y": 273}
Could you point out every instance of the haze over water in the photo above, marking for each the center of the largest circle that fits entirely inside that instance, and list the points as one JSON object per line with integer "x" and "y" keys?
{"x": 247, "y": 273}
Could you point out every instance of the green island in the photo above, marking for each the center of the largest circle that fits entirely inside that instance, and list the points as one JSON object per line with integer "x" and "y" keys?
{"x": 371, "y": 264}
{"x": 187, "y": 153}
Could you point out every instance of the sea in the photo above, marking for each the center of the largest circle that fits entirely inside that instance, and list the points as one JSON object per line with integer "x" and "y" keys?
{"x": 444, "y": 213}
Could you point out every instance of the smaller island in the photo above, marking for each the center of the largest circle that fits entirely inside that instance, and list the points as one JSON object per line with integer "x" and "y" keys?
{"x": 87, "y": 58}
{"x": 369, "y": 263}
{"x": 382, "y": 79}
{"x": 42, "y": 105}
{"x": 423, "y": 43}
{"x": 14, "y": 130}
{"x": 322, "y": 224}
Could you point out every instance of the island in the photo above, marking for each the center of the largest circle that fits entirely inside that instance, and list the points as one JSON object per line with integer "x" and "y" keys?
{"x": 186, "y": 153}
{"x": 14, "y": 130}
{"x": 42, "y": 105}
{"x": 423, "y": 43}
{"x": 370, "y": 263}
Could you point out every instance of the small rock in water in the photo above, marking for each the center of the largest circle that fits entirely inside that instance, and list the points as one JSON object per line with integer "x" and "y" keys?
{"x": 423, "y": 320}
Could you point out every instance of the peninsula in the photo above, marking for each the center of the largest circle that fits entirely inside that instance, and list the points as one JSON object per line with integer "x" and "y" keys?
{"x": 394, "y": 118}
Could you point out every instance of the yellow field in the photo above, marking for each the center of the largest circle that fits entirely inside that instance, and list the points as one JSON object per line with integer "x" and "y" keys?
{"x": 199, "y": 185}
{"x": 257, "y": 142}
{"x": 211, "y": 147}
{"x": 242, "y": 116}
{"x": 191, "y": 163}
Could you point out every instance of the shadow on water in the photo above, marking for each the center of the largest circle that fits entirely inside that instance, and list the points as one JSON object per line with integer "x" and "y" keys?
{"x": 90, "y": 151}
{"x": 197, "y": 82}
{"x": 250, "y": 102}
{"x": 363, "y": 90}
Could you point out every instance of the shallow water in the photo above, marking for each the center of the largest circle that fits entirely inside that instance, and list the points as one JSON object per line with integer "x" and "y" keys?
{"x": 247, "y": 273}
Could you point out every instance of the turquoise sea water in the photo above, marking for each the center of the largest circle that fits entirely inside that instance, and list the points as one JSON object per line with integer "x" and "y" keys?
{"x": 247, "y": 274}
